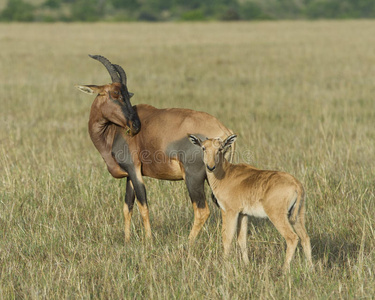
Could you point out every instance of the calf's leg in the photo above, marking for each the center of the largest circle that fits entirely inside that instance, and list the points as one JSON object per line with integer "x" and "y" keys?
{"x": 242, "y": 235}
{"x": 300, "y": 229}
{"x": 230, "y": 220}
{"x": 281, "y": 222}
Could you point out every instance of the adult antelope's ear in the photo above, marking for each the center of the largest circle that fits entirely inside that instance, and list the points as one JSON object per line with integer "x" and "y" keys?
{"x": 228, "y": 141}
{"x": 90, "y": 89}
{"x": 195, "y": 140}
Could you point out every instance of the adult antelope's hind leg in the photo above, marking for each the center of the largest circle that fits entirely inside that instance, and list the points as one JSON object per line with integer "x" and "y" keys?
{"x": 195, "y": 186}
{"x": 128, "y": 207}
{"x": 242, "y": 236}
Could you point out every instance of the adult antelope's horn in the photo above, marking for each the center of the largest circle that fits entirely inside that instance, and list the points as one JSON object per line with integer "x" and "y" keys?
{"x": 123, "y": 78}
{"x": 122, "y": 73}
{"x": 111, "y": 69}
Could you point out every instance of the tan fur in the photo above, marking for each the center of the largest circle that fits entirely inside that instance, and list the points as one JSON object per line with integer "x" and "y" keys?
{"x": 243, "y": 190}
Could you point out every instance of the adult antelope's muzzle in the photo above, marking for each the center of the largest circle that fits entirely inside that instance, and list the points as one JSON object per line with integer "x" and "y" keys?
{"x": 135, "y": 126}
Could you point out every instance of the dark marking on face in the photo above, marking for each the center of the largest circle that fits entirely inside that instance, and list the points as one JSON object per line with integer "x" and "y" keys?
{"x": 116, "y": 101}
{"x": 211, "y": 169}
{"x": 136, "y": 122}
{"x": 130, "y": 113}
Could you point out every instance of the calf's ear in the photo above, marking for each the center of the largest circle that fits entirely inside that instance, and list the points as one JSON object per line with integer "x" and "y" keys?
{"x": 195, "y": 140}
{"x": 228, "y": 141}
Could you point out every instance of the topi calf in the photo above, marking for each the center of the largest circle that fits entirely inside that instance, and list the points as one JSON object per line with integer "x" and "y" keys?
{"x": 242, "y": 190}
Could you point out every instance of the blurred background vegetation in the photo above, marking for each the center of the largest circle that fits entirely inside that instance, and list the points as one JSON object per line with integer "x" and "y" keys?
{"x": 181, "y": 10}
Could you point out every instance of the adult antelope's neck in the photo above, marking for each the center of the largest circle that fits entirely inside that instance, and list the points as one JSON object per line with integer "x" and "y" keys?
{"x": 96, "y": 115}
{"x": 101, "y": 131}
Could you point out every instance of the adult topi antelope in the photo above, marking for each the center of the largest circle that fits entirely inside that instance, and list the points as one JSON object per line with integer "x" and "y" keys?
{"x": 243, "y": 190}
{"x": 142, "y": 140}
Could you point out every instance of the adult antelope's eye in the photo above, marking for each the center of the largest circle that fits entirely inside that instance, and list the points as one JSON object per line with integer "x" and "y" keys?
{"x": 203, "y": 148}
{"x": 116, "y": 93}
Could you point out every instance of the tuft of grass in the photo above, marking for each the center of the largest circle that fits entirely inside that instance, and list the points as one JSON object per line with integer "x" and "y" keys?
{"x": 299, "y": 94}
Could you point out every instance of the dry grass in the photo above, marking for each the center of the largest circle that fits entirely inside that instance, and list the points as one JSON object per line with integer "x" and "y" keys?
{"x": 299, "y": 94}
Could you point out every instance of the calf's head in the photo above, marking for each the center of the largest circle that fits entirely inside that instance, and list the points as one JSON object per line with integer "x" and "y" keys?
{"x": 213, "y": 149}
{"x": 113, "y": 100}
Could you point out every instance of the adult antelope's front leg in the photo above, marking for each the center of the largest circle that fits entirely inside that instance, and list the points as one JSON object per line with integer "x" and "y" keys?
{"x": 195, "y": 186}
{"x": 201, "y": 215}
{"x": 128, "y": 207}
{"x": 140, "y": 192}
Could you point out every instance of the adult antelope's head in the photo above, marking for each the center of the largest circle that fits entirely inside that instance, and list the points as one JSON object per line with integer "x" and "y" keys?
{"x": 213, "y": 149}
{"x": 113, "y": 100}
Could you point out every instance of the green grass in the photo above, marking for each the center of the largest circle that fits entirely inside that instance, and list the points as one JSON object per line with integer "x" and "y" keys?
{"x": 300, "y": 95}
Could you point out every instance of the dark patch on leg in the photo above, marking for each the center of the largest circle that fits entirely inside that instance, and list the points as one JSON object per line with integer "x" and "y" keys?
{"x": 201, "y": 203}
{"x": 129, "y": 195}
{"x": 121, "y": 153}
{"x": 186, "y": 152}
{"x": 140, "y": 192}
{"x": 195, "y": 186}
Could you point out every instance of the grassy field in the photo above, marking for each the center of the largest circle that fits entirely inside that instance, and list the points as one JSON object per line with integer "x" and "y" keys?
{"x": 300, "y": 95}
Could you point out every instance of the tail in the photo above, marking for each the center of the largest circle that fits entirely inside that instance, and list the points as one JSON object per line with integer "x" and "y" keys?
{"x": 294, "y": 210}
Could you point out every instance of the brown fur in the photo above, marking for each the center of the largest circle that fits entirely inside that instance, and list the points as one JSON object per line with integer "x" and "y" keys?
{"x": 154, "y": 150}
{"x": 243, "y": 190}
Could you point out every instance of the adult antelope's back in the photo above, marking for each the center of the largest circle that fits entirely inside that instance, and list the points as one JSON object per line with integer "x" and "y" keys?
{"x": 142, "y": 140}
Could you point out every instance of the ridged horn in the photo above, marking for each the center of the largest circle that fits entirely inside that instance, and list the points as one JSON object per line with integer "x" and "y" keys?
{"x": 110, "y": 68}
{"x": 122, "y": 73}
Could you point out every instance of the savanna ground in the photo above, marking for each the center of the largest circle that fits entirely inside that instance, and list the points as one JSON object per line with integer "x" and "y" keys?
{"x": 300, "y": 95}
